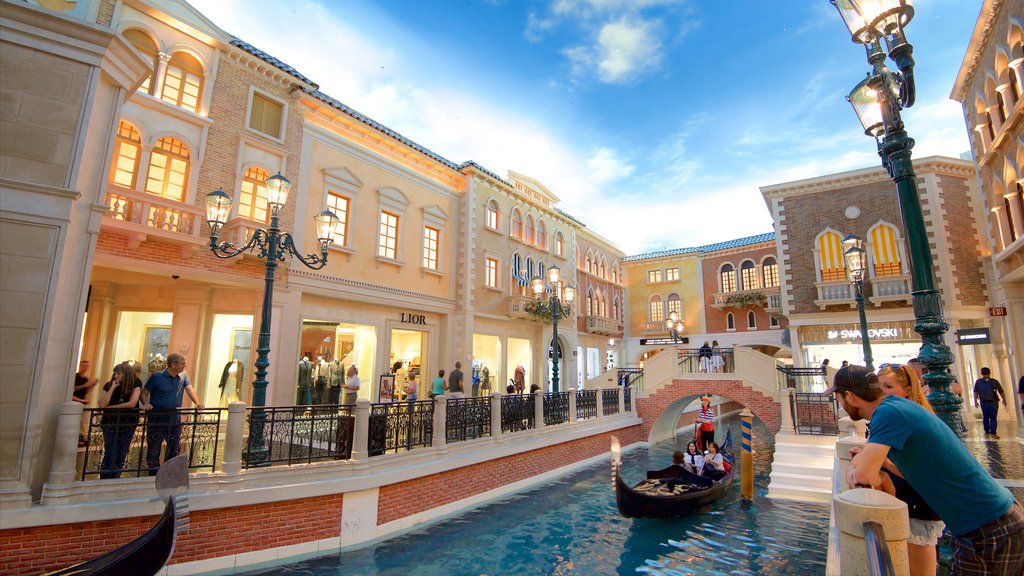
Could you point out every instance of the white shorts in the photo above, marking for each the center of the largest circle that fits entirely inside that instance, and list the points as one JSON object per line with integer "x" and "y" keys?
{"x": 925, "y": 532}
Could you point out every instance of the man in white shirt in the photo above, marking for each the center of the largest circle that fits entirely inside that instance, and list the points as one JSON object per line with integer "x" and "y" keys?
{"x": 351, "y": 385}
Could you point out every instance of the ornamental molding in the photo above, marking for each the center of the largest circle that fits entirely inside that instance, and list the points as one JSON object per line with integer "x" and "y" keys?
{"x": 260, "y": 67}
{"x": 406, "y": 295}
{"x": 983, "y": 31}
{"x": 928, "y": 165}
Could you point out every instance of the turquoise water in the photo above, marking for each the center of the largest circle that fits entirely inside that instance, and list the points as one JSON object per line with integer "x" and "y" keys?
{"x": 571, "y": 526}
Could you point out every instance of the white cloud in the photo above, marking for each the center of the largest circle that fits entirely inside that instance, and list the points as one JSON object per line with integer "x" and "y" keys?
{"x": 605, "y": 166}
{"x": 627, "y": 49}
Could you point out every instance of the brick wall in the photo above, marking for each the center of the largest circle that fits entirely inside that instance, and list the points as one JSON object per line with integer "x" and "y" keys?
{"x": 965, "y": 241}
{"x": 716, "y": 319}
{"x": 394, "y": 502}
{"x": 767, "y": 410}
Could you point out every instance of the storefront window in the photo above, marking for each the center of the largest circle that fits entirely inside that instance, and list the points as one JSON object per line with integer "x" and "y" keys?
{"x": 327, "y": 350}
{"x": 593, "y": 363}
{"x": 487, "y": 364}
{"x": 407, "y": 358}
{"x": 143, "y": 340}
{"x": 520, "y": 357}
{"x": 230, "y": 373}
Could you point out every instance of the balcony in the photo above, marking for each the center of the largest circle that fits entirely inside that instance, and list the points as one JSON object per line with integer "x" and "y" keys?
{"x": 517, "y": 307}
{"x": 890, "y": 289}
{"x": 774, "y": 300}
{"x": 764, "y": 297}
{"x": 604, "y": 326}
{"x": 655, "y": 328}
{"x": 143, "y": 216}
{"x": 837, "y": 292}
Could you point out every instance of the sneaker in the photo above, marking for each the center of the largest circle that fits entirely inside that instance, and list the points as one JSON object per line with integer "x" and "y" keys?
{"x": 995, "y": 436}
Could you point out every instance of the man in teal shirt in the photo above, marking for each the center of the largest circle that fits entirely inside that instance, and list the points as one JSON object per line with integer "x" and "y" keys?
{"x": 986, "y": 522}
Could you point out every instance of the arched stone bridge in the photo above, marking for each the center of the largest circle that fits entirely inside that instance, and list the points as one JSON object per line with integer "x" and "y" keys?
{"x": 661, "y": 409}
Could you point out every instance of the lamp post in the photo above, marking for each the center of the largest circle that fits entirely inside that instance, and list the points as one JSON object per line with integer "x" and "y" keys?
{"x": 675, "y": 326}
{"x": 273, "y": 247}
{"x": 878, "y": 100}
{"x": 560, "y": 304}
{"x": 856, "y": 271}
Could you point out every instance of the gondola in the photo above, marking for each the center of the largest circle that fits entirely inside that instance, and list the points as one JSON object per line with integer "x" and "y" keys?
{"x": 663, "y": 498}
{"x": 147, "y": 554}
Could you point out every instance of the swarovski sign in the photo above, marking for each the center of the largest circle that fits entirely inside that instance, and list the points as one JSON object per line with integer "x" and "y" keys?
{"x": 872, "y": 333}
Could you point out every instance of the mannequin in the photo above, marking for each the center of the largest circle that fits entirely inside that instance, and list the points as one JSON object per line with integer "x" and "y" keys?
{"x": 136, "y": 367}
{"x": 485, "y": 381}
{"x": 305, "y": 382}
{"x": 323, "y": 374}
{"x": 337, "y": 377}
{"x": 520, "y": 378}
{"x": 231, "y": 382}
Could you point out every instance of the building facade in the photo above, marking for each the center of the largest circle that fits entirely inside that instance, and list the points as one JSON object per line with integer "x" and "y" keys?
{"x": 990, "y": 86}
{"x": 600, "y": 311}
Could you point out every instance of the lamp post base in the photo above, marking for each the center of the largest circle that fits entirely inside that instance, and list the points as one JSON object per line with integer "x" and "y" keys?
{"x": 936, "y": 356}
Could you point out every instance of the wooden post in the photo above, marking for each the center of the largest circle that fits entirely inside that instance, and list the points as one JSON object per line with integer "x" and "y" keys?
{"x": 747, "y": 457}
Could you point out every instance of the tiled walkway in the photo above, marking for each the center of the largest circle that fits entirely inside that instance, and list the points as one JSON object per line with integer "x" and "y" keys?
{"x": 1003, "y": 458}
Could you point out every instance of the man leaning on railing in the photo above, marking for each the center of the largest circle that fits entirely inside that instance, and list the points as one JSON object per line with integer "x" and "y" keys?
{"x": 162, "y": 395}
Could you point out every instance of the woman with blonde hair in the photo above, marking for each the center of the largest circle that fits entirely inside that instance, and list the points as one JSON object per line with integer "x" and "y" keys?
{"x": 925, "y": 525}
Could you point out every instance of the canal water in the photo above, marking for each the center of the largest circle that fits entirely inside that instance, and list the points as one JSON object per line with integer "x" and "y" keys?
{"x": 570, "y": 526}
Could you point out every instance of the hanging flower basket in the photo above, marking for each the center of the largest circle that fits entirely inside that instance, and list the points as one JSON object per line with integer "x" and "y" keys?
{"x": 746, "y": 299}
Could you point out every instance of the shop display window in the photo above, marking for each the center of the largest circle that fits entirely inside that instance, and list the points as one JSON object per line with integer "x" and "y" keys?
{"x": 487, "y": 369}
{"x": 229, "y": 371}
{"x": 520, "y": 363}
{"x": 143, "y": 340}
{"x": 407, "y": 360}
{"x": 327, "y": 349}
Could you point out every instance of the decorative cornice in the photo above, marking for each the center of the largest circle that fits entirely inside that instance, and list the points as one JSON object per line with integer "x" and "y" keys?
{"x": 378, "y": 288}
{"x": 832, "y": 182}
{"x": 975, "y": 49}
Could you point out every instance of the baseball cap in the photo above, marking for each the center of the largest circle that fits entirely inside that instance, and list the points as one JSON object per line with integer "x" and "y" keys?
{"x": 854, "y": 378}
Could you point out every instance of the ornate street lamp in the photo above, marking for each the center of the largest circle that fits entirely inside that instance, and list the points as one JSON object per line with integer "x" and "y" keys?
{"x": 878, "y": 100}
{"x": 675, "y": 326}
{"x": 856, "y": 272}
{"x": 560, "y": 304}
{"x": 273, "y": 247}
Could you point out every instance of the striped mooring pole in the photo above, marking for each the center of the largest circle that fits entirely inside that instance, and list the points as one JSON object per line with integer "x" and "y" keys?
{"x": 747, "y": 457}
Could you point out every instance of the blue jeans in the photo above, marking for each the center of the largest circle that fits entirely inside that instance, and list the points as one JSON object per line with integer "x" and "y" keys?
{"x": 117, "y": 440}
{"x": 989, "y": 410}
{"x": 161, "y": 427}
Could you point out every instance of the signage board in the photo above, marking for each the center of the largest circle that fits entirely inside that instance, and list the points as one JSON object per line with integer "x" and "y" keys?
{"x": 663, "y": 341}
{"x": 997, "y": 311}
{"x": 969, "y": 336}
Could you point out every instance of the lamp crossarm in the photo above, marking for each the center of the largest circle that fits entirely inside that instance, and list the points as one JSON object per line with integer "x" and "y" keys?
{"x": 227, "y": 250}
{"x": 312, "y": 261}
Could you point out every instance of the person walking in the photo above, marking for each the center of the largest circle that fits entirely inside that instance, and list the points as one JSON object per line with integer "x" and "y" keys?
{"x": 455, "y": 381}
{"x": 162, "y": 396}
{"x": 438, "y": 389}
{"x": 119, "y": 399}
{"x": 988, "y": 392}
{"x": 986, "y": 522}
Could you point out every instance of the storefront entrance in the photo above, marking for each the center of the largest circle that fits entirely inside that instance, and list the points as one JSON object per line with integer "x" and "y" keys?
{"x": 230, "y": 374}
{"x": 328, "y": 349}
{"x": 487, "y": 364}
{"x": 520, "y": 359}
{"x": 408, "y": 360}
{"x": 143, "y": 340}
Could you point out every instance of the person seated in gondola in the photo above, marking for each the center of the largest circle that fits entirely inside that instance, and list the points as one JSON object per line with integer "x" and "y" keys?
{"x": 693, "y": 460}
{"x": 715, "y": 466}
{"x": 672, "y": 472}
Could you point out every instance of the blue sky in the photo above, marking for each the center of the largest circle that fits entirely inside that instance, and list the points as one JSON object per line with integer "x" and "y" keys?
{"x": 654, "y": 121}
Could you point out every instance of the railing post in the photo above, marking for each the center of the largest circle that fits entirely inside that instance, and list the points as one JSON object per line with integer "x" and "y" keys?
{"x": 440, "y": 437}
{"x": 65, "y": 448}
{"x": 538, "y": 410}
{"x": 361, "y": 433}
{"x": 851, "y": 427}
{"x": 572, "y": 405}
{"x": 231, "y": 462}
{"x": 786, "y": 405}
{"x": 495, "y": 414}
{"x": 843, "y": 446}
{"x": 600, "y": 403}
{"x": 622, "y": 400}
{"x": 855, "y": 507}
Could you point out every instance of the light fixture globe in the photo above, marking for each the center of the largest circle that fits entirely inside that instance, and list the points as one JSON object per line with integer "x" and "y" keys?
{"x": 855, "y": 257}
{"x": 569, "y": 294}
{"x": 538, "y": 286}
{"x": 869, "y": 20}
{"x": 553, "y": 274}
{"x": 866, "y": 102}
{"x": 277, "y": 191}
{"x": 326, "y": 222}
{"x": 218, "y": 208}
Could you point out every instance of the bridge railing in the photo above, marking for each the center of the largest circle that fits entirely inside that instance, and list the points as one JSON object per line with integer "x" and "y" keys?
{"x": 713, "y": 361}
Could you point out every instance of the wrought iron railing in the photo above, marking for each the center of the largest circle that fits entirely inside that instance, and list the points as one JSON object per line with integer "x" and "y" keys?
{"x": 287, "y": 435}
{"x": 586, "y": 404}
{"x": 517, "y": 412}
{"x": 693, "y": 360}
{"x": 556, "y": 408}
{"x": 814, "y": 414}
{"x": 801, "y": 379}
{"x": 467, "y": 418}
{"x": 610, "y": 401}
{"x": 396, "y": 426}
{"x": 122, "y": 443}
{"x": 633, "y": 377}
{"x": 627, "y": 392}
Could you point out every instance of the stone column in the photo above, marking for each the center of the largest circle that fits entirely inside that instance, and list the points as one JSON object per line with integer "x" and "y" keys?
{"x": 361, "y": 434}
{"x": 622, "y": 400}
{"x": 440, "y": 438}
{"x": 1018, "y": 68}
{"x": 600, "y": 403}
{"x": 855, "y": 507}
{"x": 843, "y": 446}
{"x": 65, "y": 446}
{"x": 231, "y": 462}
{"x": 1015, "y": 212}
{"x": 538, "y": 409}
{"x": 786, "y": 406}
{"x": 1004, "y": 228}
{"x": 993, "y": 116}
{"x": 572, "y": 405}
{"x": 156, "y": 87}
{"x": 495, "y": 414}
{"x": 1008, "y": 100}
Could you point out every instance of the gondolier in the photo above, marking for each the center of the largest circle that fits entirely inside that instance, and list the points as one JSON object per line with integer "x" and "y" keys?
{"x": 705, "y": 424}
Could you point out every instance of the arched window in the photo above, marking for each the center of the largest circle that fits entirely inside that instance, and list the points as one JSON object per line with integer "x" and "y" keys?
{"x": 168, "y": 169}
{"x": 517, "y": 224}
{"x": 528, "y": 231}
{"x": 885, "y": 250}
{"x": 542, "y": 235}
{"x": 124, "y": 169}
{"x": 183, "y": 81}
{"x": 589, "y": 264}
{"x": 559, "y": 244}
{"x": 727, "y": 278}
{"x": 590, "y": 302}
{"x": 674, "y": 304}
{"x": 252, "y": 202}
{"x": 831, "y": 265}
{"x": 655, "y": 311}
{"x": 748, "y": 275}
{"x": 604, "y": 268}
{"x": 730, "y": 322}
{"x": 603, "y": 311}
{"x": 147, "y": 47}
{"x": 493, "y": 215}
{"x": 751, "y": 320}
{"x": 769, "y": 272}
{"x": 615, "y": 307}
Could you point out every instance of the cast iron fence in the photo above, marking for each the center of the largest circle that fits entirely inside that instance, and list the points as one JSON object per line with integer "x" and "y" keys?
{"x": 119, "y": 444}
{"x": 802, "y": 379}
{"x": 517, "y": 412}
{"x": 396, "y": 426}
{"x": 556, "y": 408}
{"x": 297, "y": 435}
{"x": 693, "y": 361}
{"x": 468, "y": 418}
{"x": 586, "y": 404}
{"x": 610, "y": 401}
{"x": 627, "y": 392}
{"x": 632, "y": 377}
{"x": 814, "y": 414}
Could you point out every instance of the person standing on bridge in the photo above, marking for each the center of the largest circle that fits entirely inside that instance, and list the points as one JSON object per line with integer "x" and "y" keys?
{"x": 705, "y": 424}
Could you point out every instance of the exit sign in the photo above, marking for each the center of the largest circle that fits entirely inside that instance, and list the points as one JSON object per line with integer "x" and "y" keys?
{"x": 997, "y": 311}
